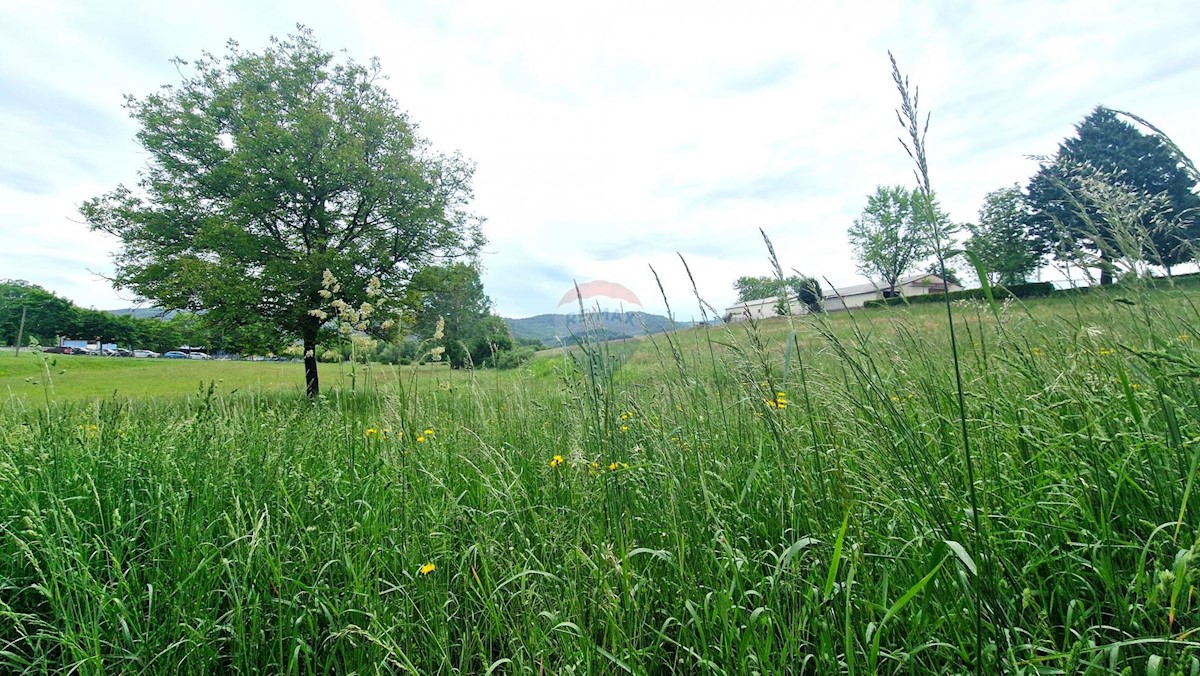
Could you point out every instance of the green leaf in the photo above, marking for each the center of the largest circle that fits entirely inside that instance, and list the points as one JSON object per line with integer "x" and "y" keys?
{"x": 983, "y": 281}
{"x": 962, "y": 555}
{"x": 831, "y": 577}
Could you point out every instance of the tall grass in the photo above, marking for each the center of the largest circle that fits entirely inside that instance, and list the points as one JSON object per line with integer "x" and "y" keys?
{"x": 691, "y": 526}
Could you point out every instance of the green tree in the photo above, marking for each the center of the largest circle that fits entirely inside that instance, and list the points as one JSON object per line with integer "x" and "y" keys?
{"x": 889, "y": 238}
{"x": 252, "y": 338}
{"x": 491, "y": 340}
{"x": 951, "y": 273}
{"x": 266, "y": 170}
{"x": 46, "y": 315}
{"x": 807, "y": 291}
{"x": 454, "y": 293}
{"x": 1081, "y": 198}
{"x": 1001, "y": 240}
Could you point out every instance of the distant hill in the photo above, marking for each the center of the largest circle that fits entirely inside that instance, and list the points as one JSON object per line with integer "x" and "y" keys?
{"x": 555, "y": 330}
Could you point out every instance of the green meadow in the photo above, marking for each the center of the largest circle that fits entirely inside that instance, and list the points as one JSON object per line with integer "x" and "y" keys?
{"x": 64, "y": 378}
{"x": 806, "y": 495}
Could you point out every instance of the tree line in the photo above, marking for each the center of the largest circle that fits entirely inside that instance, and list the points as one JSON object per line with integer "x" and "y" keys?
{"x": 471, "y": 337}
{"x": 49, "y": 317}
{"x": 1112, "y": 199}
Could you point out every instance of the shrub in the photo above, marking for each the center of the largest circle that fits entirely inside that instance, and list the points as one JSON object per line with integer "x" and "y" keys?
{"x": 514, "y": 358}
{"x": 1030, "y": 290}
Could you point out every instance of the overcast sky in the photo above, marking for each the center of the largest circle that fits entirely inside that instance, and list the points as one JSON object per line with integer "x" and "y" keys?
{"x": 610, "y": 136}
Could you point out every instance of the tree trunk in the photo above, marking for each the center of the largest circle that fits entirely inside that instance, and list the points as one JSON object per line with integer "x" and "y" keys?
{"x": 312, "y": 385}
{"x": 1106, "y": 269}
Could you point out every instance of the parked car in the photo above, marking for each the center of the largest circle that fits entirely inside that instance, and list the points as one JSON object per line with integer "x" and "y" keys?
{"x": 89, "y": 351}
{"x": 145, "y": 353}
{"x": 117, "y": 352}
{"x": 55, "y": 349}
{"x": 199, "y": 355}
{"x": 175, "y": 354}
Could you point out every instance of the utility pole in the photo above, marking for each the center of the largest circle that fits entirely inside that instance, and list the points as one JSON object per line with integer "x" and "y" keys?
{"x": 21, "y": 331}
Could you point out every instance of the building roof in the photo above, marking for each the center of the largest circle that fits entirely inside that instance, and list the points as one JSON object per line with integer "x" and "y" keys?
{"x": 857, "y": 289}
{"x": 871, "y": 287}
{"x": 771, "y": 300}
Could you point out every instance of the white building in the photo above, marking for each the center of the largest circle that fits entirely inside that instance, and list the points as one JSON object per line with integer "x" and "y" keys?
{"x": 853, "y": 297}
{"x": 762, "y": 309}
{"x": 844, "y": 298}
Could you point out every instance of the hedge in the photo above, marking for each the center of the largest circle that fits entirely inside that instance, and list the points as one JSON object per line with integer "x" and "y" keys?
{"x": 1029, "y": 290}
{"x": 1035, "y": 289}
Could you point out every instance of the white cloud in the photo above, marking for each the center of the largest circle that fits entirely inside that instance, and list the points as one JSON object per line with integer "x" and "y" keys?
{"x": 608, "y": 137}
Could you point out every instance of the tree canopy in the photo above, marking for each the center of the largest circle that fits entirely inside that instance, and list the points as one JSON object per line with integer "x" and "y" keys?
{"x": 1000, "y": 241}
{"x": 453, "y": 295}
{"x": 890, "y": 237}
{"x": 1113, "y": 193}
{"x": 47, "y": 315}
{"x": 264, "y": 171}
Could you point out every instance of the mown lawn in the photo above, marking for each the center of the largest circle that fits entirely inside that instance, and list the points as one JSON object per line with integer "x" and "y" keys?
{"x": 33, "y": 376}
{"x": 792, "y": 497}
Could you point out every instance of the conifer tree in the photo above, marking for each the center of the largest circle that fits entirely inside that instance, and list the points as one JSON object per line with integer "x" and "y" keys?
{"x": 1068, "y": 217}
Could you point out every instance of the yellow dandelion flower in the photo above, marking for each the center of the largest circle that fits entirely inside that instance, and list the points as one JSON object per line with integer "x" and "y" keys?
{"x": 371, "y": 431}
{"x": 427, "y": 569}
{"x": 421, "y": 440}
{"x": 624, "y": 428}
{"x": 616, "y": 466}
{"x": 429, "y": 432}
{"x": 556, "y": 461}
{"x": 779, "y": 402}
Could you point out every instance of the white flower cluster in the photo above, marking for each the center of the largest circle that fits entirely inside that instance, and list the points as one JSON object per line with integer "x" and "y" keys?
{"x": 350, "y": 318}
